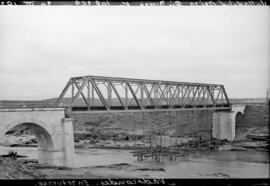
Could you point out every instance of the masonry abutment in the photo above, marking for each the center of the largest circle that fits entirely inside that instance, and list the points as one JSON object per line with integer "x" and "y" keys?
{"x": 224, "y": 123}
{"x": 54, "y": 133}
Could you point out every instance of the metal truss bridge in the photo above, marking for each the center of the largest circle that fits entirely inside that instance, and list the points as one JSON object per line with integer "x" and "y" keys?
{"x": 96, "y": 93}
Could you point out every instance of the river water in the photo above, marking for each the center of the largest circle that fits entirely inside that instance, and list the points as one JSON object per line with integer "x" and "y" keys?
{"x": 231, "y": 164}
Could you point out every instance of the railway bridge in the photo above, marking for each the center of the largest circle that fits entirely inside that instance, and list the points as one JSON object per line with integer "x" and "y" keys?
{"x": 89, "y": 94}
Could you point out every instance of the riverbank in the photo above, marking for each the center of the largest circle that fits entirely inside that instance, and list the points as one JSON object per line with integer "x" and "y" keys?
{"x": 256, "y": 138}
{"x": 18, "y": 169}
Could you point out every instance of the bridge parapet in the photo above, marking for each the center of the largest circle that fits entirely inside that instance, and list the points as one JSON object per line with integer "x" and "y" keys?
{"x": 29, "y": 109}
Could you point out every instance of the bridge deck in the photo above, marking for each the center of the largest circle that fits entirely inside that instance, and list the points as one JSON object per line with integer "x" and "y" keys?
{"x": 30, "y": 109}
{"x": 151, "y": 108}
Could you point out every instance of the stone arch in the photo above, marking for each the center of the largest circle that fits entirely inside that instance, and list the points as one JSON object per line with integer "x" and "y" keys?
{"x": 239, "y": 117}
{"x": 43, "y": 135}
{"x": 238, "y": 111}
{"x": 22, "y": 120}
{"x": 54, "y": 132}
{"x": 239, "y": 108}
{"x": 44, "y": 139}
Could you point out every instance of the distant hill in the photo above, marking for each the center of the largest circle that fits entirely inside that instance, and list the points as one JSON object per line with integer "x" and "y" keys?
{"x": 23, "y": 103}
{"x": 248, "y": 100}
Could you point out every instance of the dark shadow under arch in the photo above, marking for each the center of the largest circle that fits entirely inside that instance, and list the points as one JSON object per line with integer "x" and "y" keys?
{"x": 239, "y": 120}
{"x": 43, "y": 138}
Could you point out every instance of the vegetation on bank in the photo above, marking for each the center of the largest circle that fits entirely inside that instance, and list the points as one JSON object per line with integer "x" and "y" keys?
{"x": 12, "y": 168}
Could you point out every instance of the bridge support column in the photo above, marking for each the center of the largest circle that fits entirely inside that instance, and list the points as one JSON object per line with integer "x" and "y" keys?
{"x": 46, "y": 157}
{"x": 62, "y": 153}
{"x": 223, "y": 125}
{"x": 69, "y": 153}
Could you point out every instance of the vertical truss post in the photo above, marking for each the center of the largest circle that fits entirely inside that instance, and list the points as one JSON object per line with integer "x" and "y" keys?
{"x": 88, "y": 94}
{"x": 183, "y": 96}
{"x": 168, "y": 90}
{"x": 194, "y": 95}
{"x": 190, "y": 89}
{"x": 109, "y": 89}
{"x": 148, "y": 94}
{"x": 210, "y": 93}
{"x": 101, "y": 97}
{"x": 178, "y": 95}
{"x": 118, "y": 96}
{"x": 162, "y": 93}
{"x": 142, "y": 97}
{"x": 173, "y": 96}
{"x": 199, "y": 94}
{"x": 205, "y": 100}
{"x": 170, "y": 96}
{"x": 182, "y": 93}
{"x": 126, "y": 95}
{"x": 156, "y": 98}
{"x": 134, "y": 95}
{"x": 93, "y": 94}
{"x": 72, "y": 91}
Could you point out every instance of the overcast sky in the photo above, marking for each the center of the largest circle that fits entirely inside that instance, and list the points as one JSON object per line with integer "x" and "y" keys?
{"x": 42, "y": 47}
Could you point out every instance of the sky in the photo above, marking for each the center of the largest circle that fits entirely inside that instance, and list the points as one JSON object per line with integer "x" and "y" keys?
{"x": 42, "y": 47}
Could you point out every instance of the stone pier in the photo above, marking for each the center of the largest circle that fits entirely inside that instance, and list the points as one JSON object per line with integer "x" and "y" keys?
{"x": 224, "y": 123}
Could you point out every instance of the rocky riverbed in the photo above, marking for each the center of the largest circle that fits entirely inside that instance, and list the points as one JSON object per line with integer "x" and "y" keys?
{"x": 246, "y": 138}
{"x": 102, "y": 156}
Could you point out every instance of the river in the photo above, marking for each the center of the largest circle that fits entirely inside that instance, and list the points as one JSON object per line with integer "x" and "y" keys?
{"x": 231, "y": 164}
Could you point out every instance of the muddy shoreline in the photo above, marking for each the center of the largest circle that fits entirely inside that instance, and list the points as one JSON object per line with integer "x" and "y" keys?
{"x": 30, "y": 169}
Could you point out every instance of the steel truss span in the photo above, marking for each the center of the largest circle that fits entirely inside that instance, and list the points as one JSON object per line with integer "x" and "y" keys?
{"x": 95, "y": 93}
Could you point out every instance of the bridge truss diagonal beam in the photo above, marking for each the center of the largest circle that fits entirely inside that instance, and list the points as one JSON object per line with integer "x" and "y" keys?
{"x": 97, "y": 93}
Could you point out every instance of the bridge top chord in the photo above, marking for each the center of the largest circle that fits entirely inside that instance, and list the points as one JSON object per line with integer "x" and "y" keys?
{"x": 97, "y": 93}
